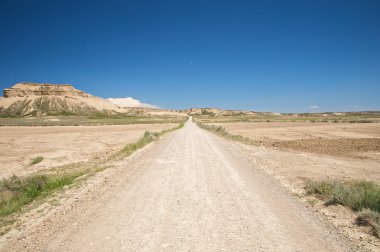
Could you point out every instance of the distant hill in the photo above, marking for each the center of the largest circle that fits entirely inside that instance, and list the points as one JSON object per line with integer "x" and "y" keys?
{"x": 33, "y": 99}
{"x": 40, "y": 99}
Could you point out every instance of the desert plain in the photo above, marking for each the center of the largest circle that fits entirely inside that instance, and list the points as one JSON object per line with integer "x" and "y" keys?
{"x": 249, "y": 179}
{"x": 301, "y": 150}
{"x": 79, "y": 177}
{"x": 63, "y": 145}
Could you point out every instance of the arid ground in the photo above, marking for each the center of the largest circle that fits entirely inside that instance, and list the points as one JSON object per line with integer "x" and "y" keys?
{"x": 61, "y": 145}
{"x": 193, "y": 190}
{"x": 315, "y": 150}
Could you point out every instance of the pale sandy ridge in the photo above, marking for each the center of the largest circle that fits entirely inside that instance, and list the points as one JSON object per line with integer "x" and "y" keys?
{"x": 192, "y": 191}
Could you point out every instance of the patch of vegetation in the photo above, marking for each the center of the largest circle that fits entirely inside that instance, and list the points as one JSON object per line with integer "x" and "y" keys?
{"x": 328, "y": 117}
{"x": 146, "y": 139}
{"x": 36, "y": 160}
{"x": 363, "y": 196}
{"x": 361, "y": 121}
{"x": 371, "y": 218}
{"x": 88, "y": 120}
{"x": 8, "y": 116}
{"x": 222, "y": 132}
{"x": 16, "y": 192}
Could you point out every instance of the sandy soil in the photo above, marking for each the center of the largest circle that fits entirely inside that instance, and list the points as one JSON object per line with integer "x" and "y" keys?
{"x": 191, "y": 191}
{"x": 278, "y": 131}
{"x": 61, "y": 145}
{"x": 298, "y": 164}
{"x": 361, "y": 140}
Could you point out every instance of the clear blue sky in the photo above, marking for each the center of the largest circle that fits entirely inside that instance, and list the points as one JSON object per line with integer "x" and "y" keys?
{"x": 264, "y": 55}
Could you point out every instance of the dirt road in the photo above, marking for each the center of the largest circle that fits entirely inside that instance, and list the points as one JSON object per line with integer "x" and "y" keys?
{"x": 191, "y": 191}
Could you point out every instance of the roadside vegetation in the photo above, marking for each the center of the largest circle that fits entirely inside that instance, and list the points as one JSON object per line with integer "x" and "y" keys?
{"x": 96, "y": 119}
{"x": 146, "y": 139}
{"x": 348, "y": 117}
{"x": 18, "y": 192}
{"x": 362, "y": 197}
{"x": 36, "y": 160}
{"x": 222, "y": 132}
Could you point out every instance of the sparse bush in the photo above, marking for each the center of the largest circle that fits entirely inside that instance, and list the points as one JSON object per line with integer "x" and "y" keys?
{"x": 320, "y": 187}
{"x": 363, "y": 196}
{"x": 357, "y": 194}
{"x": 16, "y": 192}
{"x": 146, "y": 139}
{"x": 36, "y": 160}
{"x": 371, "y": 218}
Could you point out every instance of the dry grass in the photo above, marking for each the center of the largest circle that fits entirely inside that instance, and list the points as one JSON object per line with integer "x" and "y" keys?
{"x": 76, "y": 120}
{"x": 222, "y": 132}
{"x": 36, "y": 160}
{"x": 371, "y": 218}
{"x": 16, "y": 192}
{"x": 360, "y": 196}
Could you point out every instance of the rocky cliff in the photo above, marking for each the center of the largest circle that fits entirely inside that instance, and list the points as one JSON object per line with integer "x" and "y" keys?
{"x": 24, "y": 89}
{"x": 33, "y": 99}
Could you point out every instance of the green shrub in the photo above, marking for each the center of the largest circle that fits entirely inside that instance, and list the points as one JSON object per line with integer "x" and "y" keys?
{"x": 146, "y": 139}
{"x": 321, "y": 188}
{"x": 16, "y": 192}
{"x": 371, "y": 218}
{"x": 363, "y": 196}
{"x": 357, "y": 194}
{"x": 36, "y": 160}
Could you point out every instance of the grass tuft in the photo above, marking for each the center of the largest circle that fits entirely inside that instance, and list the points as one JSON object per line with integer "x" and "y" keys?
{"x": 357, "y": 195}
{"x": 146, "y": 139}
{"x": 16, "y": 192}
{"x": 36, "y": 160}
{"x": 371, "y": 218}
{"x": 362, "y": 196}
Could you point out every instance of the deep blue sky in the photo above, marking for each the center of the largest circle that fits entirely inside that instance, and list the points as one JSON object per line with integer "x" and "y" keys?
{"x": 264, "y": 55}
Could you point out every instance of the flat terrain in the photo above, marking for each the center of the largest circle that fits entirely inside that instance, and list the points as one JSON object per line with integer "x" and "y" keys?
{"x": 60, "y": 145}
{"x": 191, "y": 191}
{"x": 300, "y": 151}
{"x": 360, "y": 140}
{"x": 78, "y": 120}
{"x": 274, "y": 131}
{"x": 349, "y": 117}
